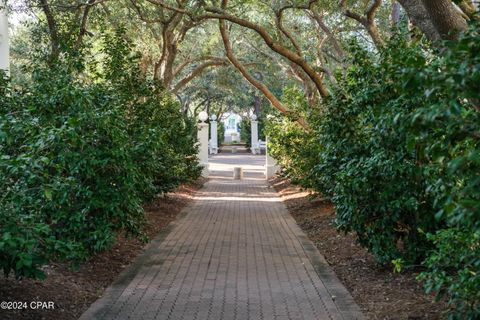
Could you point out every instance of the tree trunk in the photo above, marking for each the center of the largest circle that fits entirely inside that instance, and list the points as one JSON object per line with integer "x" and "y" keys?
{"x": 419, "y": 17}
{"x": 446, "y": 19}
{"x": 395, "y": 15}
{"x": 166, "y": 71}
{"x": 52, "y": 29}
{"x": 374, "y": 33}
{"x": 256, "y": 105}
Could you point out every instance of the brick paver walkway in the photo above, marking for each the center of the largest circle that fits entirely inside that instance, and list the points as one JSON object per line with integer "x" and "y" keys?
{"x": 235, "y": 253}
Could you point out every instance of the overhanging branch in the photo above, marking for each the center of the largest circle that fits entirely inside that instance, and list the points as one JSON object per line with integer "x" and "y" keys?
{"x": 257, "y": 84}
{"x": 197, "y": 71}
{"x": 220, "y": 14}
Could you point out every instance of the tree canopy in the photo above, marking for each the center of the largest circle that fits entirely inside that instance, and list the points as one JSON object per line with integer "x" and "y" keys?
{"x": 302, "y": 43}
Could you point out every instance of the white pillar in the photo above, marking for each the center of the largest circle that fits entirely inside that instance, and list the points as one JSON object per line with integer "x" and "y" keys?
{"x": 4, "y": 41}
{"x": 202, "y": 136}
{"x": 254, "y": 132}
{"x": 213, "y": 134}
{"x": 271, "y": 166}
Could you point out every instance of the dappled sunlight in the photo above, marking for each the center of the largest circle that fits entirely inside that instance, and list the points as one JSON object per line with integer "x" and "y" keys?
{"x": 232, "y": 198}
{"x": 227, "y": 176}
{"x": 295, "y": 195}
{"x": 232, "y": 195}
{"x": 221, "y": 166}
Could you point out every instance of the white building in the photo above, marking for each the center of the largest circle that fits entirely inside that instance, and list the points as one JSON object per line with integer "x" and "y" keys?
{"x": 232, "y": 121}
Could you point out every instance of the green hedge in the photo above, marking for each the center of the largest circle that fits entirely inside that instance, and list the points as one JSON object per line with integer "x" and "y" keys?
{"x": 79, "y": 156}
{"x": 397, "y": 150}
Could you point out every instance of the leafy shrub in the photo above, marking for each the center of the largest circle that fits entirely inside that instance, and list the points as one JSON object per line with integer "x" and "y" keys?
{"x": 79, "y": 156}
{"x": 220, "y": 132}
{"x": 65, "y": 164}
{"x": 375, "y": 181}
{"x": 447, "y": 130}
{"x": 396, "y": 148}
{"x": 294, "y": 149}
{"x": 453, "y": 270}
{"x": 246, "y": 131}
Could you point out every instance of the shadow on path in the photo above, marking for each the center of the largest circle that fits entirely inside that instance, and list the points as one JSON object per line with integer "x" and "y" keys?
{"x": 236, "y": 253}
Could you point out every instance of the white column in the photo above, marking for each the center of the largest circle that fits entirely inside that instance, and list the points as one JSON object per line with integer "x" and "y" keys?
{"x": 254, "y": 138}
{"x": 202, "y": 136}
{"x": 4, "y": 41}
{"x": 213, "y": 134}
{"x": 271, "y": 166}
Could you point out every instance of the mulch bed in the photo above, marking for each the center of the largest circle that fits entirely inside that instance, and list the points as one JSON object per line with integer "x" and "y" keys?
{"x": 72, "y": 292}
{"x": 380, "y": 293}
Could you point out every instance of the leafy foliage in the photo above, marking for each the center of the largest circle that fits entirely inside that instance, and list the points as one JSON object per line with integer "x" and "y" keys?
{"x": 396, "y": 148}
{"x": 80, "y": 155}
{"x": 220, "y": 132}
{"x": 246, "y": 129}
{"x": 447, "y": 131}
{"x": 295, "y": 150}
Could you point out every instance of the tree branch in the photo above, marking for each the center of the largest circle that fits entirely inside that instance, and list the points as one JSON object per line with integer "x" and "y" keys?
{"x": 52, "y": 27}
{"x": 260, "y": 86}
{"x": 372, "y": 10}
{"x": 189, "y": 61}
{"x": 197, "y": 71}
{"x": 83, "y": 24}
{"x": 280, "y": 26}
{"x": 468, "y": 8}
{"x": 368, "y": 21}
{"x": 142, "y": 16}
{"x": 331, "y": 37}
{"x": 169, "y": 7}
{"x": 220, "y": 14}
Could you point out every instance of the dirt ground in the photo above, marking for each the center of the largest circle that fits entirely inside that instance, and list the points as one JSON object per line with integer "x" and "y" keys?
{"x": 72, "y": 292}
{"x": 380, "y": 293}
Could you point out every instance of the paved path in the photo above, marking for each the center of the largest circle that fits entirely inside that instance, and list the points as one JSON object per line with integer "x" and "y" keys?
{"x": 235, "y": 253}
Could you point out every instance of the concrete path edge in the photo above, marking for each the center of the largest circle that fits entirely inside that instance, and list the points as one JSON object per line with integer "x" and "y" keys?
{"x": 340, "y": 295}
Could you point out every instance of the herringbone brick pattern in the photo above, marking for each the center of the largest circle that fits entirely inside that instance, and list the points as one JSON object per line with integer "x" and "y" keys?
{"x": 235, "y": 254}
